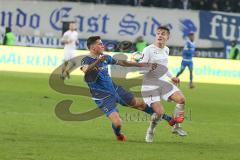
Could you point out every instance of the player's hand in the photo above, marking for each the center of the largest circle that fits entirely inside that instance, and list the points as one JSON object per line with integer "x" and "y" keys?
{"x": 102, "y": 58}
{"x": 154, "y": 66}
{"x": 151, "y": 66}
{"x": 84, "y": 68}
{"x": 176, "y": 81}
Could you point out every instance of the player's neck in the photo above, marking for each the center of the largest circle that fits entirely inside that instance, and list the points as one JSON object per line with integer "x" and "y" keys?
{"x": 159, "y": 45}
{"x": 94, "y": 54}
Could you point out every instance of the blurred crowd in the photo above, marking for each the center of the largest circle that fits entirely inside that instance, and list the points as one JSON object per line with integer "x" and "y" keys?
{"x": 215, "y": 5}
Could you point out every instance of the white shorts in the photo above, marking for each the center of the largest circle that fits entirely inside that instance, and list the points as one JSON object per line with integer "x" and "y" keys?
{"x": 151, "y": 93}
{"x": 68, "y": 55}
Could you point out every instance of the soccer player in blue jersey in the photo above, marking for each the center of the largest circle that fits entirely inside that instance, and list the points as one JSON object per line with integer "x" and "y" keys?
{"x": 187, "y": 54}
{"x": 104, "y": 91}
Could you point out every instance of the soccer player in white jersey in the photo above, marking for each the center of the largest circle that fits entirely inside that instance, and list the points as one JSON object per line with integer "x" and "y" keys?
{"x": 70, "y": 39}
{"x": 156, "y": 85}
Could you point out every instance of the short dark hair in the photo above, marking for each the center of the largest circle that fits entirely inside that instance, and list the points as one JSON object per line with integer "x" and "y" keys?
{"x": 164, "y": 28}
{"x": 190, "y": 33}
{"x": 91, "y": 40}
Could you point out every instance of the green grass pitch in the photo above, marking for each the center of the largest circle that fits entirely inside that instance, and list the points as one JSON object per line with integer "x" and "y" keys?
{"x": 30, "y": 130}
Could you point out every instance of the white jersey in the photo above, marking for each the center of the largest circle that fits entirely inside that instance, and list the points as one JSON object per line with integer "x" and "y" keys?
{"x": 70, "y": 48}
{"x": 154, "y": 54}
{"x": 155, "y": 83}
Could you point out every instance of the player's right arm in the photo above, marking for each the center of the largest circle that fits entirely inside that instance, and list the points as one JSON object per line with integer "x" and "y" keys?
{"x": 125, "y": 63}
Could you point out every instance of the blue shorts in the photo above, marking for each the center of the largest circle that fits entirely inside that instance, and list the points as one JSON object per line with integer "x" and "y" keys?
{"x": 108, "y": 103}
{"x": 188, "y": 64}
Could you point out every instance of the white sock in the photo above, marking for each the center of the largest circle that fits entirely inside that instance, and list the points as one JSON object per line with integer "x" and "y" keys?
{"x": 177, "y": 125}
{"x": 179, "y": 110}
{"x": 154, "y": 121}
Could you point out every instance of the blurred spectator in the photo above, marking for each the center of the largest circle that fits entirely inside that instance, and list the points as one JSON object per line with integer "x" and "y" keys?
{"x": 234, "y": 51}
{"x": 140, "y": 44}
{"x": 214, "y": 6}
{"x": 227, "y": 6}
{"x": 146, "y": 2}
{"x": 185, "y": 4}
{"x": 203, "y": 5}
{"x": 177, "y": 4}
{"x": 236, "y": 6}
{"x": 9, "y": 37}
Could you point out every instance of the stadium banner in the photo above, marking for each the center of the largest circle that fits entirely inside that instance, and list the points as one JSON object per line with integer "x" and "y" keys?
{"x": 200, "y": 52}
{"x": 109, "y": 21}
{"x": 51, "y": 42}
{"x": 219, "y": 26}
{"x": 46, "y": 60}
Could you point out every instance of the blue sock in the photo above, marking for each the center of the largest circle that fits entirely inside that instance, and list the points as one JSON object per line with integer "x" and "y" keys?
{"x": 117, "y": 130}
{"x": 167, "y": 117}
{"x": 191, "y": 77}
{"x": 148, "y": 110}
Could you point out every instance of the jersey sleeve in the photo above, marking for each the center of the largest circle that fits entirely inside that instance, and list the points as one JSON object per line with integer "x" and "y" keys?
{"x": 85, "y": 61}
{"x": 76, "y": 35}
{"x": 189, "y": 45}
{"x": 91, "y": 76}
{"x": 145, "y": 56}
{"x": 65, "y": 36}
{"x": 111, "y": 60}
{"x": 167, "y": 51}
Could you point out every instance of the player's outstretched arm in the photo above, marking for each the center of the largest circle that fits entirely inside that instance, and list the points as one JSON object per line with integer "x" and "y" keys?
{"x": 125, "y": 63}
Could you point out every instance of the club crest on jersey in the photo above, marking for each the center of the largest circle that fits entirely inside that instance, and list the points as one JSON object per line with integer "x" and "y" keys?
{"x": 156, "y": 52}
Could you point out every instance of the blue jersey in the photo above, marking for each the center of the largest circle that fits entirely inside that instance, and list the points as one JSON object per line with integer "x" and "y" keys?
{"x": 98, "y": 80}
{"x": 188, "y": 51}
{"x": 104, "y": 91}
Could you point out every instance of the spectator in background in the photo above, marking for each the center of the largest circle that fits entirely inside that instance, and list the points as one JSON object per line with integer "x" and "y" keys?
{"x": 146, "y": 3}
{"x": 234, "y": 51}
{"x": 185, "y": 4}
{"x": 194, "y": 4}
{"x": 202, "y": 5}
{"x": 215, "y": 6}
{"x": 9, "y": 38}
{"x": 236, "y": 6}
{"x": 140, "y": 44}
{"x": 121, "y": 2}
{"x": 227, "y": 6}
